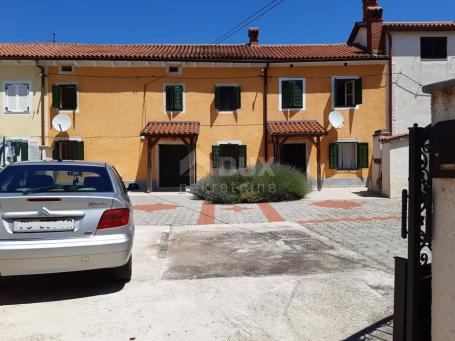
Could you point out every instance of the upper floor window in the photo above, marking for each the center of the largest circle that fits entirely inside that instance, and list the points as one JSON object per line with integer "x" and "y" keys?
{"x": 227, "y": 97}
{"x": 292, "y": 92}
{"x": 17, "y": 97}
{"x": 64, "y": 96}
{"x": 433, "y": 47}
{"x": 66, "y": 69}
{"x": 347, "y": 92}
{"x": 174, "y": 97}
{"x": 174, "y": 69}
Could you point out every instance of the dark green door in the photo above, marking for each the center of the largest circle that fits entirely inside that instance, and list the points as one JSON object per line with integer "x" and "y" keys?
{"x": 174, "y": 165}
{"x": 294, "y": 155}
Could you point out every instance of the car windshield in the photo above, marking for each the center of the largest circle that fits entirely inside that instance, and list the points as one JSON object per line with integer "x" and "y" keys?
{"x": 48, "y": 178}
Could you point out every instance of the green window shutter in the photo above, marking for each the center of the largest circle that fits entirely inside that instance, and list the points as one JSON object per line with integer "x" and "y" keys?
{"x": 24, "y": 151}
{"x": 297, "y": 93}
{"x": 178, "y": 98}
{"x": 333, "y": 155}
{"x": 286, "y": 94}
{"x": 338, "y": 93}
{"x": 169, "y": 98}
{"x": 362, "y": 155}
{"x": 74, "y": 95}
{"x": 217, "y": 97}
{"x": 237, "y": 97}
{"x": 56, "y": 151}
{"x": 56, "y": 96}
{"x": 78, "y": 150}
{"x": 358, "y": 91}
{"x": 242, "y": 156}
{"x": 216, "y": 152}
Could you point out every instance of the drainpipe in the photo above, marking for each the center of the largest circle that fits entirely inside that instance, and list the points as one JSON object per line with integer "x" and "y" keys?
{"x": 265, "y": 74}
{"x": 390, "y": 81}
{"x": 43, "y": 89}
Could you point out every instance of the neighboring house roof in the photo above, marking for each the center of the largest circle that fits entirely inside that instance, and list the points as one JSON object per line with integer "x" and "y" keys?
{"x": 407, "y": 26}
{"x": 171, "y": 129}
{"x": 233, "y": 53}
{"x": 295, "y": 128}
{"x": 394, "y": 137}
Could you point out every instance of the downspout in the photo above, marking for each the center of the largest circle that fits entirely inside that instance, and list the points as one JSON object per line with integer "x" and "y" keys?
{"x": 43, "y": 90}
{"x": 390, "y": 81}
{"x": 265, "y": 75}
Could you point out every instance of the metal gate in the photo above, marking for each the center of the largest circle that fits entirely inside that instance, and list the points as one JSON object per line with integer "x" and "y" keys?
{"x": 412, "y": 308}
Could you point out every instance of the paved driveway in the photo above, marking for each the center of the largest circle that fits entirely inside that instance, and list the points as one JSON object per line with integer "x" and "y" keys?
{"x": 307, "y": 270}
{"x": 274, "y": 281}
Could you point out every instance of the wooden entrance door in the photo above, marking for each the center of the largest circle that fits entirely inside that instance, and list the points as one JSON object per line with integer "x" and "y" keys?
{"x": 174, "y": 165}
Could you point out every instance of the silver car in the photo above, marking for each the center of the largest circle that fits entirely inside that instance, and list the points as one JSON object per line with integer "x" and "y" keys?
{"x": 61, "y": 216}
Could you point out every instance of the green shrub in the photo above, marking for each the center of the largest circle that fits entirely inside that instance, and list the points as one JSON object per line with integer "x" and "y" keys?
{"x": 255, "y": 184}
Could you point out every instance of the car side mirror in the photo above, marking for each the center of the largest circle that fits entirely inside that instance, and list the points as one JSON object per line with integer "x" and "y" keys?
{"x": 133, "y": 187}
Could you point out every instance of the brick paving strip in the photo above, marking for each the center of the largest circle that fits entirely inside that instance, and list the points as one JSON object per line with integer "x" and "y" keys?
{"x": 347, "y": 219}
{"x": 207, "y": 215}
{"x": 270, "y": 212}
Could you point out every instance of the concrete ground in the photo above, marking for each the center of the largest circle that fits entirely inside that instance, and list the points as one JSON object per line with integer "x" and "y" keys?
{"x": 319, "y": 269}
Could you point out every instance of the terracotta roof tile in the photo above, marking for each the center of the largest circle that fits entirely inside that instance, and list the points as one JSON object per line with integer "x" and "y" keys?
{"x": 50, "y": 51}
{"x": 295, "y": 128}
{"x": 171, "y": 129}
{"x": 407, "y": 26}
{"x": 385, "y": 139}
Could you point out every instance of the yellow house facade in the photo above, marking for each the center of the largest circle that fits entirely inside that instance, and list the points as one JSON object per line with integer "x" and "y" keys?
{"x": 168, "y": 115}
{"x": 21, "y": 117}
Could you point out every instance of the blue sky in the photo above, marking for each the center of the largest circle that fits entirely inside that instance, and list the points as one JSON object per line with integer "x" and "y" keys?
{"x": 199, "y": 21}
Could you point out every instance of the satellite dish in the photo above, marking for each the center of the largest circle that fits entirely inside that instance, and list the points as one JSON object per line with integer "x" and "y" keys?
{"x": 336, "y": 119}
{"x": 61, "y": 122}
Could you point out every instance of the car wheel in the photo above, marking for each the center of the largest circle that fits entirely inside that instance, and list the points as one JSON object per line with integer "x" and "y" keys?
{"x": 123, "y": 273}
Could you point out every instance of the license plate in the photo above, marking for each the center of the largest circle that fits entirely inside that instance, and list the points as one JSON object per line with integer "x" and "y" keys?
{"x": 43, "y": 225}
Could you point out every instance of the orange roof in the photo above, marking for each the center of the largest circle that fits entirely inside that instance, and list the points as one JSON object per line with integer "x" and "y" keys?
{"x": 407, "y": 26}
{"x": 422, "y": 25}
{"x": 261, "y": 53}
{"x": 295, "y": 128}
{"x": 171, "y": 129}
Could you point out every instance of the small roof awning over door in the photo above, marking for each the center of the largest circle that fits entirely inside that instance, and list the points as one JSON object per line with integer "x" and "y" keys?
{"x": 295, "y": 128}
{"x": 171, "y": 129}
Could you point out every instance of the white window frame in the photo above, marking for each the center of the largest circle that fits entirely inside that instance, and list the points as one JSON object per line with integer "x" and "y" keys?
{"x": 77, "y": 97}
{"x": 168, "y": 69}
{"x": 225, "y": 86}
{"x": 183, "y": 98}
{"x": 29, "y": 97}
{"x": 280, "y": 103}
{"x": 61, "y": 72}
{"x": 334, "y": 78}
{"x": 356, "y": 143}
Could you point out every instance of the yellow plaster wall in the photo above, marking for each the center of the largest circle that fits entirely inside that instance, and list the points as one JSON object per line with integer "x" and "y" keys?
{"x": 21, "y": 125}
{"x": 360, "y": 124}
{"x": 112, "y": 111}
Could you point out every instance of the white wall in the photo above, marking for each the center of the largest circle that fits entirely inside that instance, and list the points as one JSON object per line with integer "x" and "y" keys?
{"x": 410, "y": 105}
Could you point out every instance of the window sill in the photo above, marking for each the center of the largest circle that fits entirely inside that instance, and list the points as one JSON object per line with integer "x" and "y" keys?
{"x": 68, "y": 111}
{"x": 16, "y": 113}
{"x": 227, "y": 111}
{"x": 292, "y": 109}
{"x": 434, "y": 59}
{"x": 348, "y": 171}
{"x": 357, "y": 107}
